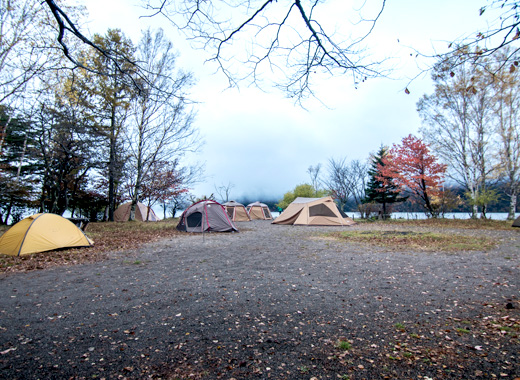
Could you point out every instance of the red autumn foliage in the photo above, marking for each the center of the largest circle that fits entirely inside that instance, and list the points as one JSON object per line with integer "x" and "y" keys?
{"x": 411, "y": 166}
{"x": 164, "y": 182}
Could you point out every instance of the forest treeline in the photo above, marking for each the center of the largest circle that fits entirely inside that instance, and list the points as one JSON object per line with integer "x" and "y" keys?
{"x": 84, "y": 136}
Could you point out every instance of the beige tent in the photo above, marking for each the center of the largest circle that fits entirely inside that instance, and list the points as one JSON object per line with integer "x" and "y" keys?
{"x": 40, "y": 233}
{"x": 259, "y": 210}
{"x": 237, "y": 211}
{"x": 313, "y": 212}
{"x": 122, "y": 213}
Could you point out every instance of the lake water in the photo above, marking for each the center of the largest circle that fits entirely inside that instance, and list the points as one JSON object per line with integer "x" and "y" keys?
{"x": 449, "y": 215}
{"x": 414, "y": 215}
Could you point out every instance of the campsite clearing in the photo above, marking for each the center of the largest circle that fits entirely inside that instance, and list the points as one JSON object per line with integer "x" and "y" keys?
{"x": 269, "y": 302}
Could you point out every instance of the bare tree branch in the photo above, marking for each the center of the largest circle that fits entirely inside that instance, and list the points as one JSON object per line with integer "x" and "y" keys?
{"x": 283, "y": 40}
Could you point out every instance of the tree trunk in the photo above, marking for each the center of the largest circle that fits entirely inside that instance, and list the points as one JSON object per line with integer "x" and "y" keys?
{"x": 483, "y": 212}
{"x": 133, "y": 206}
{"x": 111, "y": 167}
{"x": 474, "y": 206}
{"x": 3, "y": 133}
{"x": 512, "y": 206}
{"x": 474, "y": 211}
{"x": 8, "y": 211}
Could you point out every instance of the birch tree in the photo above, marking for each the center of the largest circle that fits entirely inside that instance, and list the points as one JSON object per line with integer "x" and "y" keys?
{"x": 507, "y": 119}
{"x": 456, "y": 123}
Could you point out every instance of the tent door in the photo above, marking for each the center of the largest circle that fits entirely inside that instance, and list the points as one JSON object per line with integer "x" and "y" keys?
{"x": 194, "y": 220}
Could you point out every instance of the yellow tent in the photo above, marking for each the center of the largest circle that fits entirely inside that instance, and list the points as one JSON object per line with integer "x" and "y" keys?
{"x": 40, "y": 233}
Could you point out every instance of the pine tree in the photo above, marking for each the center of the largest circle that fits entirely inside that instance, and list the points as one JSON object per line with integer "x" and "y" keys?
{"x": 381, "y": 189}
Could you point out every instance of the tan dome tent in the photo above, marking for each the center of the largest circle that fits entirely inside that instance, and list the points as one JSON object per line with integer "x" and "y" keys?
{"x": 122, "y": 213}
{"x": 259, "y": 210}
{"x": 313, "y": 212}
{"x": 237, "y": 211}
{"x": 206, "y": 216}
{"x": 40, "y": 233}
{"x": 516, "y": 223}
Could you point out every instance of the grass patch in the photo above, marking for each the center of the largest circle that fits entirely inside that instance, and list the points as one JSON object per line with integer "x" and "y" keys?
{"x": 441, "y": 223}
{"x": 421, "y": 241}
{"x": 399, "y": 326}
{"x": 343, "y": 345}
{"x": 108, "y": 237}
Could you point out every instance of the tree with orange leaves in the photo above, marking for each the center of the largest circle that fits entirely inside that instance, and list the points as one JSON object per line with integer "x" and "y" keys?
{"x": 411, "y": 166}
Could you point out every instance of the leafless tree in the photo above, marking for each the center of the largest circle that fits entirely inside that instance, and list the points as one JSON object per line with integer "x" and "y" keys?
{"x": 224, "y": 191}
{"x": 503, "y": 31}
{"x": 314, "y": 173}
{"x": 162, "y": 126}
{"x": 339, "y": 181}
{"x": 347, "y": 181}
{"x": 289, "y": 39}
{"x": 359, "y": 175}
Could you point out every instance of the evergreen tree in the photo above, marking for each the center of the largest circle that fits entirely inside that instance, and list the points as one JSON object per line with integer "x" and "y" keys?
{"x": 381, "y": 189}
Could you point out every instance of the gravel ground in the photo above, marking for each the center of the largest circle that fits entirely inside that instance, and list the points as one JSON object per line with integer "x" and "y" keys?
{"x": 270, "y": 302}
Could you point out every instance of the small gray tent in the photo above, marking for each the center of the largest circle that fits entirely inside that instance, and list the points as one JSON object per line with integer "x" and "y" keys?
{"x": 516, "y": 223}
{"x": 206, "y": 216}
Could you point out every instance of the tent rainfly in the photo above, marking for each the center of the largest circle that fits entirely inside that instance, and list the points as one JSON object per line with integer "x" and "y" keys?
{"x": 516, "y": 223}
{"x": 259, "y": 210}
{"x": 313, "y": 212}
{"x": 122, "y": 213}
{"x": 206, "y": 216}
{"x": 40, "y": 233}
{"x": 237, "y": 211}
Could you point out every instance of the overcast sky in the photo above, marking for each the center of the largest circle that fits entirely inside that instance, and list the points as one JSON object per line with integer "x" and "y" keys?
{"x": 262, "y": 143}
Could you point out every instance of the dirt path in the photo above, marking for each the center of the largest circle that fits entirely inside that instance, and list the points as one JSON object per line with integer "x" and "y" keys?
{"x": 268, "y": 302}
